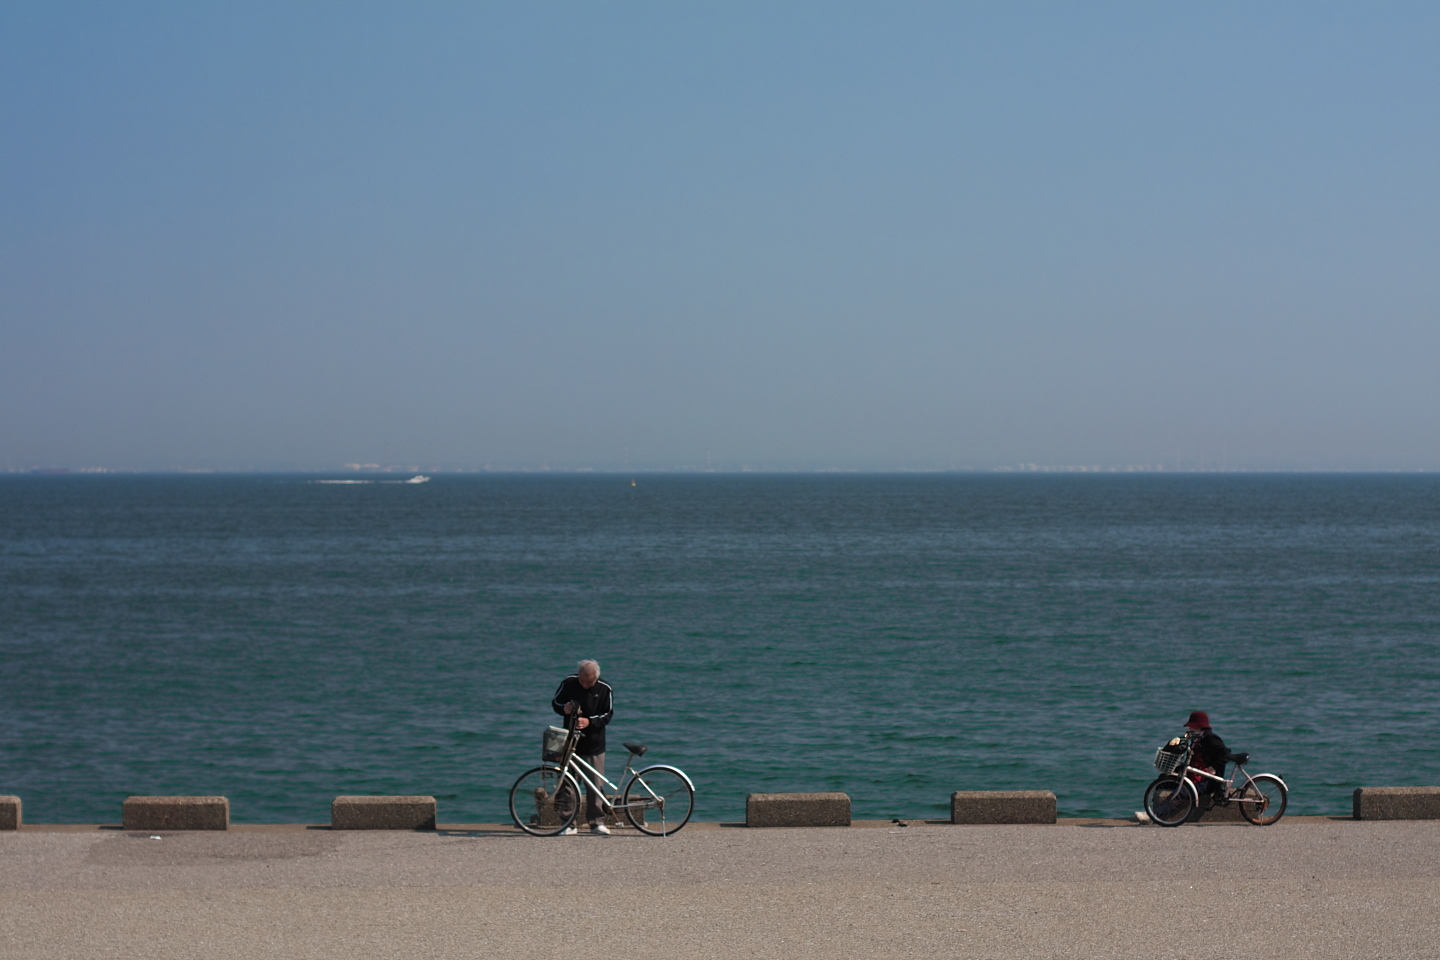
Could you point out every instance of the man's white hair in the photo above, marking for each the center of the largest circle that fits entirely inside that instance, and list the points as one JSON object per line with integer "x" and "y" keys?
{"x": 583, "y": 665}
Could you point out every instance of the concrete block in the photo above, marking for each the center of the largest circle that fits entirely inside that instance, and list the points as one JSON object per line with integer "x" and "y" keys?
{"x": 1002, "y": 806}
{"x": 1397, "y": 803}
{"x": 175, "y": 813}
{"x": 797, "y": 810}
{"x": 382, "y": 813}
{"x": 1230, "y": 813}
{"x": 1216, "y": 814}
{"x": 545, "y": 812}
{"x": 546, "y": 815}
{"x": 9, "y": 813}
{"x": 617, "y": 818}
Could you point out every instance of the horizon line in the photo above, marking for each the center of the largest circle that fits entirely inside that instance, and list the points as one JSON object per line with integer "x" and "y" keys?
{"x": 1020, "y": 469}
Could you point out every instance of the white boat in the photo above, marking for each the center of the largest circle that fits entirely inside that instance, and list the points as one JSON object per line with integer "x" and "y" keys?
{"x": 418, "y": 478}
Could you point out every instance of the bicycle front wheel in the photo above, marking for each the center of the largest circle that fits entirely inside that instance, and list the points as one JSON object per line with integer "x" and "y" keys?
{"x": 1263, "y": 800}
{"x": 658, "y": 801}
{"x": 544, "y": 801}
{"x": 1169, "y": 801}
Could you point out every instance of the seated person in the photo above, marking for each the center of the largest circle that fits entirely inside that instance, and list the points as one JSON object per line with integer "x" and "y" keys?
{"x": 1210, "y": 752}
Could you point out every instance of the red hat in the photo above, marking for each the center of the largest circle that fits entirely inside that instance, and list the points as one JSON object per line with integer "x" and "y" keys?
{"x": 1199, "y": 720}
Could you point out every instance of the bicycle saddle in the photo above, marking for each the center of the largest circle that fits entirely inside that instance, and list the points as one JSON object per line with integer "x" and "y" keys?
{"x": 1240, "y": 758}
{"x": 637, "y": 748}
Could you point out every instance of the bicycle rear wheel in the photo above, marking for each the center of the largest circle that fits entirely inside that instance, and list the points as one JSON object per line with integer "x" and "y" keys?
{"x": 658, "y": 801}
{"x": 1263, "y": 800}
{"x": 1169, "y": 801}
{"x": 544, "y": 801}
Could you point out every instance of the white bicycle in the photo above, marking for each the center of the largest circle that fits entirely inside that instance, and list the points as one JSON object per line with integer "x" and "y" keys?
{"x": 545, "y": 801}
{"x": 1172, "y": 797}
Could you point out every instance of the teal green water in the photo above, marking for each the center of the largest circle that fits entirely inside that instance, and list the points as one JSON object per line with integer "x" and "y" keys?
{"x": 282, "y": 641}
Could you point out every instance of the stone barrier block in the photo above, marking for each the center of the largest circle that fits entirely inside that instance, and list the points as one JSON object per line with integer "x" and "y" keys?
{"x": 1397, "y": 803}
{"x": 1229, "y": 813}
{"x": 1002, "y": 806}
{"x": 382, "y": 813}
{"x": 175, "y": 813}
{"x": 797, "y": 810}
{"x": 9, "y": 813}
{"x": 616, "y": 818}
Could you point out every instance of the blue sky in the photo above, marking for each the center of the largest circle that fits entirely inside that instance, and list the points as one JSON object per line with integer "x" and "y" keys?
{"x": 776, "y": 236}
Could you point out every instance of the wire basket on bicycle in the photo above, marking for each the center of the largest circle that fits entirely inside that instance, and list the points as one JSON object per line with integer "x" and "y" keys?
{"x": 552, "y": 744}
{"x": 1172, "y": 756}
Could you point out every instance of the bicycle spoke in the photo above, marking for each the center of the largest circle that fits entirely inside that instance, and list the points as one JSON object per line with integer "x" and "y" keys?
{"x": 544, "y": 801}
{"x": 658, "y": 801}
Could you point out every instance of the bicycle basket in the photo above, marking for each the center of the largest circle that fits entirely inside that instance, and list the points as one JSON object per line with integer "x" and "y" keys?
{"x": 1168, "y": 759}
{"x": 552, "y": 746}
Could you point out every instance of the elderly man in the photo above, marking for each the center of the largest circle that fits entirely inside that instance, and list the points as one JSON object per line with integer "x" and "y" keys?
{"x": 583, "y": 699}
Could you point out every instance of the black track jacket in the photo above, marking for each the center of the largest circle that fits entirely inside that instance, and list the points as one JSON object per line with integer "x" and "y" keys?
{"x": 595, "y": 703}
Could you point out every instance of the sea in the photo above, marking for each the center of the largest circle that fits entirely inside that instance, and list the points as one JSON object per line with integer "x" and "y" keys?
{"x": 281, "y": 639}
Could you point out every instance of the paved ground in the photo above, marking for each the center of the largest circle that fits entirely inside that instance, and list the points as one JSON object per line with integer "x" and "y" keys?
{"x": 1307, "y": 887}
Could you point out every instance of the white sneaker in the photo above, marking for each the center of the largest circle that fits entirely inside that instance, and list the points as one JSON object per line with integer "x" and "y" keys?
{"x": 599, "y": 828}
{"x": 569, "y": 832}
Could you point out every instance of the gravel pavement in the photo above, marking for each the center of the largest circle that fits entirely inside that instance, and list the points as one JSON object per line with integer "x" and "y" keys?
{"x": 1306, "y": 887}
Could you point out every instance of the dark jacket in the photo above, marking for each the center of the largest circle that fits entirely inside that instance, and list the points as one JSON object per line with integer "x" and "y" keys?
{"x": 1211, "y": 751}
{"x": 595, "y": 703}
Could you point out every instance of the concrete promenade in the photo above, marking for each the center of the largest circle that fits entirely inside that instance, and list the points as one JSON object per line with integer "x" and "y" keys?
{"x": 1306, "y": 887}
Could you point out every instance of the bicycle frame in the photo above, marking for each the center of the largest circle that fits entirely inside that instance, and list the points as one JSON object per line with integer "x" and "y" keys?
{"x": 1174, "y": 797}
{"x": 594, "y": 780}
{"x": 1231, "y": 794}
{"x": 1229, "y": 784}
{"x": 572, "y": 765}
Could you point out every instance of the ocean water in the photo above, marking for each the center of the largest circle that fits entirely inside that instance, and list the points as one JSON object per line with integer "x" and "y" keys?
{"x": 282, "y": 641}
